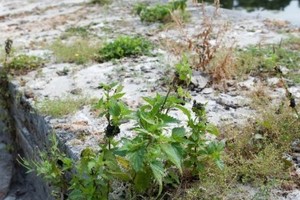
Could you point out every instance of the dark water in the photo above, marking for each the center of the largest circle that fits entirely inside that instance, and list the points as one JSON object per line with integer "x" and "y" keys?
{"x": 273, "y": 9}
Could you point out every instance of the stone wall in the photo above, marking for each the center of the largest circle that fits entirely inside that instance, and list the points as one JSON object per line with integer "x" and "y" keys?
{"x": 22, "y": 132}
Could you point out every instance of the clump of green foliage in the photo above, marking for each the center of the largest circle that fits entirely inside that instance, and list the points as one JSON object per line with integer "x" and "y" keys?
{"x": 159, "y": 12}
{"x": 265, "y": 58}
{"x": 124, "y": 46}
{"x": 80, "y": 51}
{"x": 101, "y": 2}
{"x": 53, "y": 166}
{"x": 253, "y": 155}
{"x": 162, "y": 150}
{"x": 61, "y": 107}
{"x": 23, "y": 63}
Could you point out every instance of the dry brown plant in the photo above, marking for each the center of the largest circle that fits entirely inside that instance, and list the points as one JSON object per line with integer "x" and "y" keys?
{"x": 222, "y": 65}
{"x": 212, "y": 55}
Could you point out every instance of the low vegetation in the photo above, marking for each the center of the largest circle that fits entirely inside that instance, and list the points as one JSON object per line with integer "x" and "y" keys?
{"x": 79, "y": 31}
{"x": 255, "y": 155}
{"x": 79, "y": 51}
{"x": 61, "y": 107}
{"x": 124, "y": 46}
{"x": 159, "y": 12}
{"x": 23, "y": 63}
{"x": 264, "y": 58}
{"x": 101, "y": 2}
{"x": 168, "y": 158}
{"x": 162, "y": 151}
{"x": 224, "y": 63}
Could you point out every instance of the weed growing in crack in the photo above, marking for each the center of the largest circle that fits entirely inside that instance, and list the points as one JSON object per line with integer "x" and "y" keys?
{"x": 124, "y": 46}
{"x": 53, "y": 166}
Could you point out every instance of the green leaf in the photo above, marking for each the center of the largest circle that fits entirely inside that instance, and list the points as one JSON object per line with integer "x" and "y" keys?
{"x": 184, "y": 110}
{"x": 178, "y": 134}
{"x": 114, "y": 108}
{"x": 119, "y": 88}
{"x": 168, "y": 119}
{"x": 90, "y": 165}
{"x": 183, "y": 93}
{"x": 220, "y": 164}
{"x": 142, "y": 181}
{"x": 158, "y": 173}
{"x": 136, "y": 159}
{"x": 212, "y": 129}
{"x": 172, "y": 155}
{"x": 118, "y": 95}
{"x": 120, "y": 175}
{"x": 145, "y": 119}
{"x": 149, "y": 100}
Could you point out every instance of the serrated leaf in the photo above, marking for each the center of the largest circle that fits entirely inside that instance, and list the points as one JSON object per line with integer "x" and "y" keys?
{"x": 168, "y": 119}
{"x": 172, "y": 155}
{"x": 156, "y": 109}
{"x": 136, "y": 159}
{"x": 178, "y": 133}
{"x": 142, "y": 181}
{"x": 158, "y": 173}
{"x": 114, "y": 108}
{"x": 144, "y": 118}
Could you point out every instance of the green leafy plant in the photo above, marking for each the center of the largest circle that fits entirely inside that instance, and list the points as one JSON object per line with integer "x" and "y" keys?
{"x": 23, "y": 63}
{"x": 160, "y": 152}
{"x": 112, "y": 108}
{"x": 53, "y": 166}
{"x": 159, "y": 12}
{"x": 124, "y": 46}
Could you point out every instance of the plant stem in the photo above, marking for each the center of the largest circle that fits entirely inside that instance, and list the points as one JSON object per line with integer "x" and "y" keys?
{"x": 166, "y": 98}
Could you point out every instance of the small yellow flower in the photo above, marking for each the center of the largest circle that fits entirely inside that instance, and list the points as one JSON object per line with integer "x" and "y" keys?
{"x": 76, "y": 54}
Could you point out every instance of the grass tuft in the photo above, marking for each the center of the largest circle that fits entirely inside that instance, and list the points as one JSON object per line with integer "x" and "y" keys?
{"x": 61, "y": 107}
{"x": 81, "y": 31}
{"x": 79, "y": 52}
